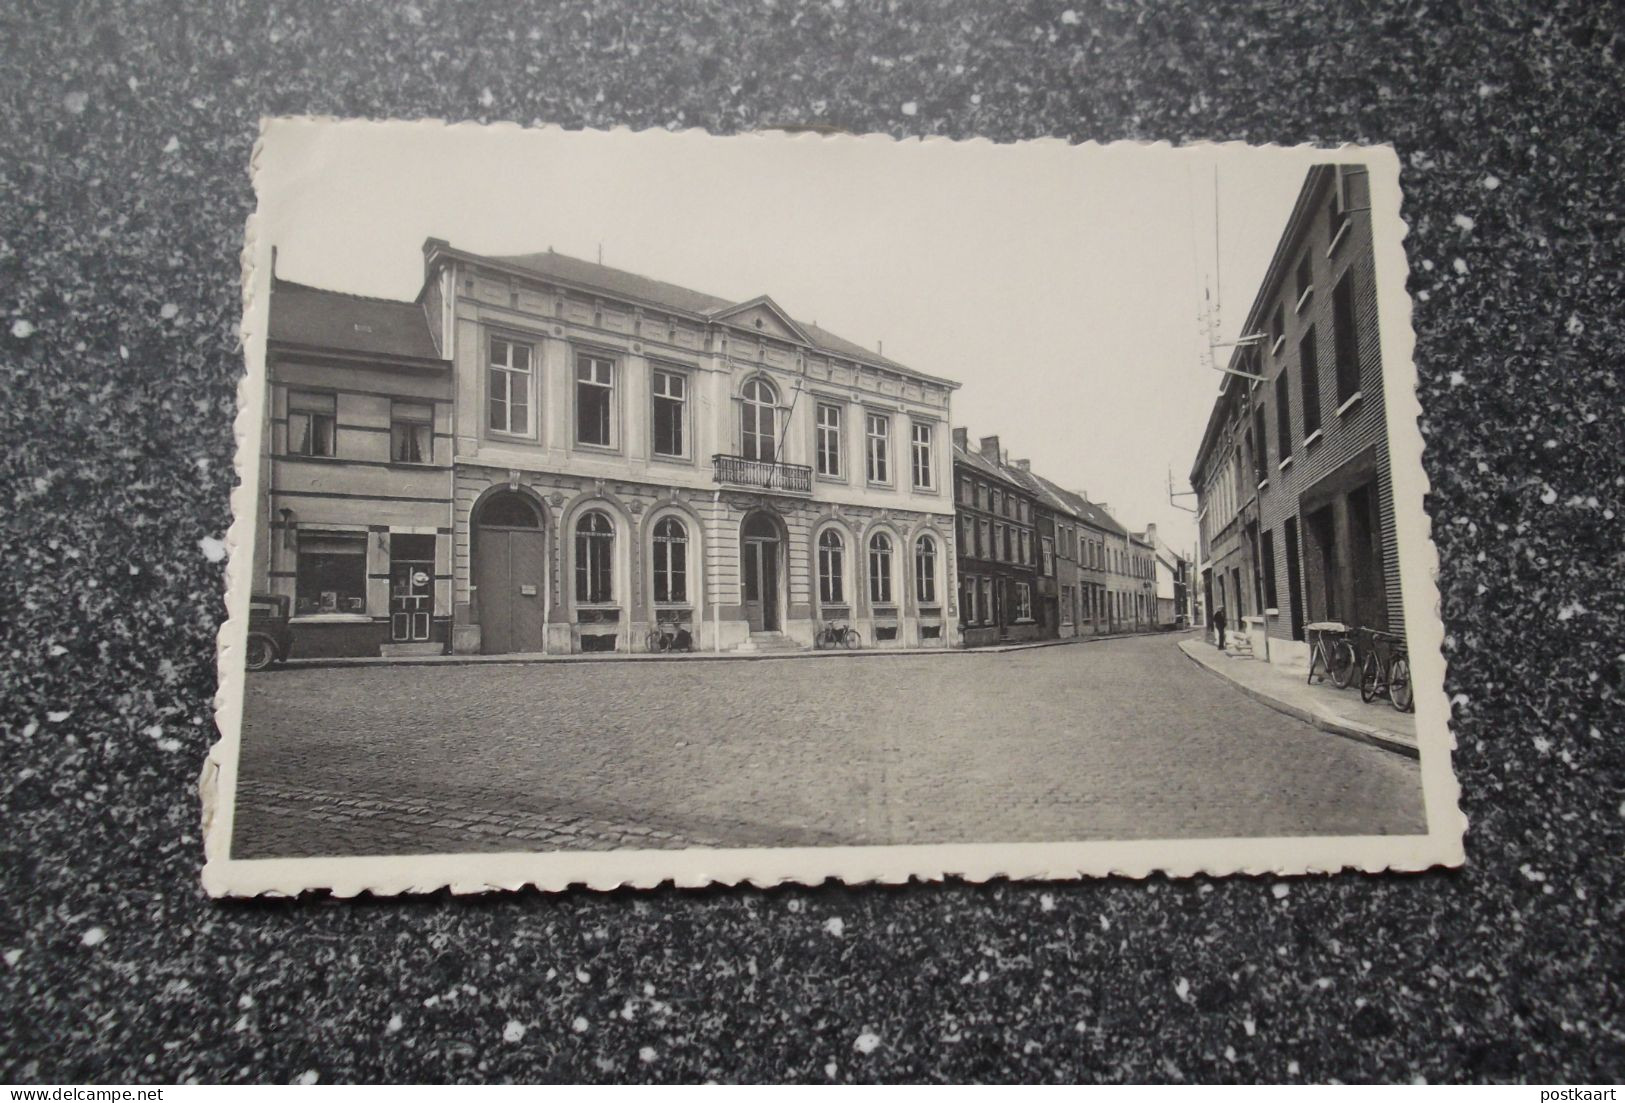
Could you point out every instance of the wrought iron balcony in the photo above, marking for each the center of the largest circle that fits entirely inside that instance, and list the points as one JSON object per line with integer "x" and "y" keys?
{"x": 783, "y": 478}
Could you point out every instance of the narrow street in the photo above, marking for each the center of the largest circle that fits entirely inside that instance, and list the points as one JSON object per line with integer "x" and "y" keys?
{"x": 1119, "y": 739}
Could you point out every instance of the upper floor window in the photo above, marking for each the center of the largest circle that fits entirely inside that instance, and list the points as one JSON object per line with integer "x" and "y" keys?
{"x": 1277, "y": 330}
{"x": 982, "y": 493}
{"x": 998, "y": 501}
{"x": 923, "y": 461}
{"x": 509, "y": 386}
{"x": 831, "y": 568}
{"x": 925, "y": 570}
{"x": 880, "y": 569}
{"x": 671, "y": 562}
{"x": 1047, "y": 549}
{"x": 1345, "y": 339}
{"x": 595, "y": 400}
{"x": 879, "y": 451}
{"x": 312, "y": 425}
{"x": 670, "y": 413}
{"x": 1305, "y": 277}
{"x": 411, "y": 432}
{"x": 1337, "y": 221}
{"x": 829, "y": 440}
{"x": 1283, "y": 416}
{"x": 984, "y": 542}
{"x": 967, "y": 490}
{"x": 595, "y": 543}
{"x": 758, "y": 409}
{"x": 1309, "y": 382}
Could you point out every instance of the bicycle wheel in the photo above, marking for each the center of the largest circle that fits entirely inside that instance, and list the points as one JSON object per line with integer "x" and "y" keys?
{"x": 1400, "y": 691}
{"x": 1369, "y": 672}
{"x": 1343, "y": 662}
{"x": 853, "y": 640}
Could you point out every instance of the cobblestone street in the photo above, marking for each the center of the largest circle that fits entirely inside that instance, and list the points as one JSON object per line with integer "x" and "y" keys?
{"x": 1118, "y": 739}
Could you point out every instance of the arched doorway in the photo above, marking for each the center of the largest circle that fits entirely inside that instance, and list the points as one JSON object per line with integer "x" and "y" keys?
{"x": 510, "y": 573}
{"x": 759, "y": 554}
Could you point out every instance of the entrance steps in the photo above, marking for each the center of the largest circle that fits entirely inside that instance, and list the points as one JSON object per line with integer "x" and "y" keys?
{"x": 765, "y": 643}
{"x": 1238, "y": 646}
{"x": 398, "y": 650}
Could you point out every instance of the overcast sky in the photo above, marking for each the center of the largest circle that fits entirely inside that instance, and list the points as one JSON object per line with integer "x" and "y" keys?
{"x": 1060, "y": 285}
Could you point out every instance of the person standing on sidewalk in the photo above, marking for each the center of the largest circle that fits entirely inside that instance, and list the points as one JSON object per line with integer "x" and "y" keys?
{"x": 1218, "y": 625}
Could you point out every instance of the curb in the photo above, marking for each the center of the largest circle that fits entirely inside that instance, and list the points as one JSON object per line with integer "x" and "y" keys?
{"x": 342, "y": 662}
{"x": 1316, "y": 718}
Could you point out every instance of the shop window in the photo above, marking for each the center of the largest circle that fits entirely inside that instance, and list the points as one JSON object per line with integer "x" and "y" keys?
{"x": 332, "y": 574}
{"x": 311, "y": 424}
{"x": 1024, "y": 601}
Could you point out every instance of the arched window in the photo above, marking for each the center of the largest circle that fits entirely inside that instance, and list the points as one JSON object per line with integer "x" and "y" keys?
{"x": 595, "y": 543}
{"x": 880, "y": 569}
{"x": 508, "y": 509}
{"x": 671, "y": 562}
{"x": 759, "y": 403}
{"x": 831, "y": 563}
{"x": 925, "y": 570}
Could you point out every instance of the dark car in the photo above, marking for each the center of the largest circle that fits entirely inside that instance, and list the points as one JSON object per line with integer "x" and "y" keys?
{"x": 270, "y": 640}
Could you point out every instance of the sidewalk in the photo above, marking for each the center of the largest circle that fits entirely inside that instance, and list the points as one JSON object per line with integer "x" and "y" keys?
{"x": 688, "y": 657}
{"x": 1339, "y": 711}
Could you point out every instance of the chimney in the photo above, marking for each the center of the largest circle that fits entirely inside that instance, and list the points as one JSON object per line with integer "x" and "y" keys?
{"x": 989, "y": 448}
{"x": 1024, "y": 465}
{"x": 961, "y": 437}
{"x": 1084, "y": 494}
{"x": 1004, "y": 456}
{"x": 1150, "y": 531}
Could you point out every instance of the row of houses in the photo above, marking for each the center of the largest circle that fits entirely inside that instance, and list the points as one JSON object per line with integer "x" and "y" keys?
{"x": 1293, "y": 481}
{"x": 542, "y": 454}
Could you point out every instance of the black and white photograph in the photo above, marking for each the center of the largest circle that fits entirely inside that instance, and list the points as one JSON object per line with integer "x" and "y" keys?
{"x": 619, "y": 508}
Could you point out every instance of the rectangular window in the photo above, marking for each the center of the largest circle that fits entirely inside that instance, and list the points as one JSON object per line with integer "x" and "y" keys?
{"x": 987, "y": 601}
{"x": 1066, "y": 605}
{"x": 1304, "y": 279}
{"x": 671, "y": 563}
{"x": 1336, "y": 222}
{"x": 1047, "y": 548}
{"x": 311, "y": 424}
{"x": 967, "y": 491}
{"x": 1001, "y": 542}
{"x": 878, "y": 428}
{"x": 984, "y": 545}
{"x": 331, "y": 575}
{"x": 923, "y": 465}
{"x": 1268, "y": 555}
{"x": 1024, "y": 601}
{"x": 967, "y": 534}
{"x": 508, "y": 381}
{"x": 411, "y": 432}
{"x": 967, "y": 599}
{"x": 1283, "y": 415}
{"x": 1345, "y": 340}
{"x": 998, "y": 500}
{"x": 1277, "y": 330}
{"x": 670, "y": 413}
{"x": 1309, "y": 381}
{"x": 595, "y": 400}
{"x": 829, "y": 440}
{"x": 1259, "y": 443}
{"x": 982, "y": 496}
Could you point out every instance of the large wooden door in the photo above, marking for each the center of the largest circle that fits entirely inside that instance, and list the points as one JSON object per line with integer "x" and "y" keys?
{"x": 510, "y": 570}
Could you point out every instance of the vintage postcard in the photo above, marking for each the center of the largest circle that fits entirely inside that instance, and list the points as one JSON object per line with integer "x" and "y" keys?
{"x": 626, "y": 508}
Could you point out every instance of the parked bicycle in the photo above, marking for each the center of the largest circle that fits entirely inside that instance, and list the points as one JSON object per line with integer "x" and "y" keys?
{"x": 833, "y": 636}
{"x": 1385, "y": 671}
{"x": 1331, "y": 651}
{"x": 668, "y": 637}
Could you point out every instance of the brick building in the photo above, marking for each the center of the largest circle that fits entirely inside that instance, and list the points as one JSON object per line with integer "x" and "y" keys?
{"x": 355, "y": 474}
{"x": 998, "y": 546}
{"x": 1293, "y": 476}
{"x": 630, "y": 453}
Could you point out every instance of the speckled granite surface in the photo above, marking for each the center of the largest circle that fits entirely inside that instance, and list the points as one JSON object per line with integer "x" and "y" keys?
{"x": 124, "y": 185}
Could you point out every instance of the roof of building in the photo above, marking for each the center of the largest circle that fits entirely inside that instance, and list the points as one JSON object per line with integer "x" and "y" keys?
{"x": 1051, "y": 493}
{"x": 1084, "y": 509}
{"x": 972, "y": 458}
{"x": 629, "y": 285}
{"x": 313, "y": 317}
